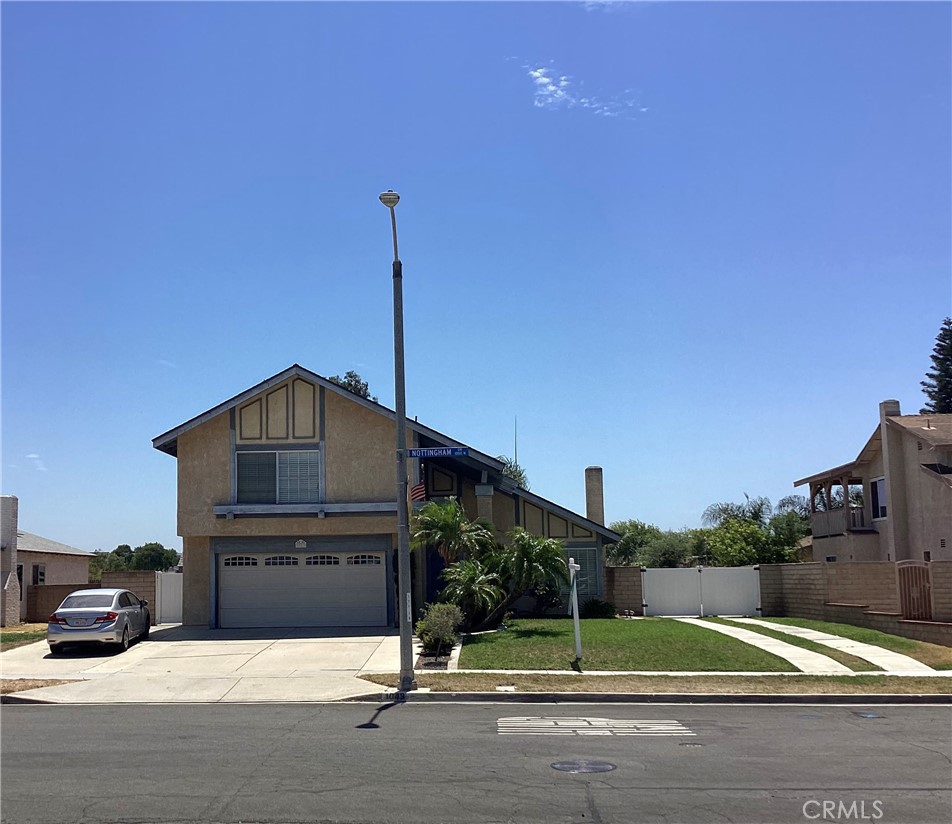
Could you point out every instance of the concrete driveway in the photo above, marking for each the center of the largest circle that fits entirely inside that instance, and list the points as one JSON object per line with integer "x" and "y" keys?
{"x": 188, "y": 664}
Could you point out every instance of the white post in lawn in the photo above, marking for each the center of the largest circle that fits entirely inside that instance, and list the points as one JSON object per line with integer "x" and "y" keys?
{"x": 573, "y": 570}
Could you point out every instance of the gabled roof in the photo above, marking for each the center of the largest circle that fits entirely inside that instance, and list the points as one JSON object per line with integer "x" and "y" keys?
{"x": 935, "y": 430}
{"x": 168, "y": 441}
{"x": 28, "y": 542}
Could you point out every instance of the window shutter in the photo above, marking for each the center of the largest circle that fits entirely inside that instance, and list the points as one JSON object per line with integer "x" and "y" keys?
{"x": 257, "y": 482}
{"x": 299, "y": 480}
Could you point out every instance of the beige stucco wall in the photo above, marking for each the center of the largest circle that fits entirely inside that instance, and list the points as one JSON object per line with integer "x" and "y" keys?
{"x": 927, "y": 504}
{"x": 360, "y": 452}
{"x": 60, "y": 569}
{"x": 195, "y": 571}
{"x": 204, "y": 475}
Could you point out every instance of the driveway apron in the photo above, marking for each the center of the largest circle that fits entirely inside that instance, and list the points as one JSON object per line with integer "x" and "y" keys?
{"x": 803, "y": 659}
{"x": 885, "y": 659}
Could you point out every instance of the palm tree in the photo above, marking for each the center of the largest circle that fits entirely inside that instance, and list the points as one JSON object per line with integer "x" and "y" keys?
{"x": 473, "y": 588}
{"x": 527, "y": 562}
{"x": 444, "y": 524}
{"x": 755, "y": 510}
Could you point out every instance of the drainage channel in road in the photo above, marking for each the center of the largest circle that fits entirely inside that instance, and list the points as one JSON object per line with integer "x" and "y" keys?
{"x": 580, "y": 726}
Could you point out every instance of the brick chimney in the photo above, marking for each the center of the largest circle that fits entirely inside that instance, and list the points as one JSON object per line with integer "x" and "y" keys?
{"x": 594, "y": 495}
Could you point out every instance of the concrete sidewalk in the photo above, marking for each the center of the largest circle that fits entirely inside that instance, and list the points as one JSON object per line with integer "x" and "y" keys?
{"x": 188, "y": 664}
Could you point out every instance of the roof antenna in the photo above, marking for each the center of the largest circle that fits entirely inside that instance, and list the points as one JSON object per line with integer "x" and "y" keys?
{"x": 515, "y": 439}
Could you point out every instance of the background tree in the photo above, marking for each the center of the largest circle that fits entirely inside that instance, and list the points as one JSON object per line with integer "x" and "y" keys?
{"x": 354, "y": 383}
{"x": 937, "y": 386}
{"x": 153, "y": 556}
{"x": 669, "y": 549}
{"x": 635, "y": 536}
{"x": 513, "y": 471}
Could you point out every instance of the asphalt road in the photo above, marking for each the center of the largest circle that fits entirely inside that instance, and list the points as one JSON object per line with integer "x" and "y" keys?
{"x": 458, "y": 763}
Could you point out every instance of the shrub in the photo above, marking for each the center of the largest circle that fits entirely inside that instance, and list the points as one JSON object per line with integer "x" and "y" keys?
{"x": 437, "y": 628}
{"x": 596, "y": 608}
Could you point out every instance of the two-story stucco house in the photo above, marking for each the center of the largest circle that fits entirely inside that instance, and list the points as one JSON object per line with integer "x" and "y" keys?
{"x": 905, "y": 472}
{"x": 287, "y": 511}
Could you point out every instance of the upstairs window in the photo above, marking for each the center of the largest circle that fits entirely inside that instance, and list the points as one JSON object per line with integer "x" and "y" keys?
{"x": 877, "y": 491}
{"x": 279, "y": 477}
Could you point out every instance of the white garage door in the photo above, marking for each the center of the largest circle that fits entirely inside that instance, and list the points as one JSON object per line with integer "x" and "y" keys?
{"x": 331, "y": 589}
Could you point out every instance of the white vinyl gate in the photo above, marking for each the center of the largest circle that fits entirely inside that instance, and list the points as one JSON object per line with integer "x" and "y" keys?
{"x": 701, "y": 591}
{"x": 168, "y": 598}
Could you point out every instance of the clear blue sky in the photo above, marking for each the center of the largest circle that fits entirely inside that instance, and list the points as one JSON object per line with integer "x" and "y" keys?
{"x": 695, "y": 244}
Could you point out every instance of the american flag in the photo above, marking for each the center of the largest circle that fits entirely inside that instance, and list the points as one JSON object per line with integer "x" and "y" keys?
{"x": 418, "y": 492}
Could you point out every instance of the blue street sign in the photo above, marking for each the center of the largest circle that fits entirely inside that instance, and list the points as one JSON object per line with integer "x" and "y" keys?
{"x": 439, "y": 452}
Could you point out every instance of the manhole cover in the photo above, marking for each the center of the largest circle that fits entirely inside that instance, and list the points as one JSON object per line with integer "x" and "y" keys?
{"x": 583, "y": 766}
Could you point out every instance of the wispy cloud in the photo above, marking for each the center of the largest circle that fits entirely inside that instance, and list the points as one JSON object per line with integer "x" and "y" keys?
{"x": 38, "y": 464}
{"x": 553, "y": 90}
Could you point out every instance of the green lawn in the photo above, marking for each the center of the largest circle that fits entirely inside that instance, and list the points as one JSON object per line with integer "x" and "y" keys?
{"x": 649, "y": 644}
{"x": 18, "y": 638}
{"x": 931, "y": 655}
{"x": 847, "y": 660}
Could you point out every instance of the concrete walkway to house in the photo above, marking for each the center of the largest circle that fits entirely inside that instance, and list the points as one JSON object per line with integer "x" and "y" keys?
{"x": 891, "y": 662}
{"x": 803, "y": 659}
{"x": 229, "y": 666}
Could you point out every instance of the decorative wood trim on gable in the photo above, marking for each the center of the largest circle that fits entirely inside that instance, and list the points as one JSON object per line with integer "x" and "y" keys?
{"x": 249, "y": 421}
{"x": 442, "y": 484}
{"x": 581, "y": 532}
{"x": 304, "y": 408}
{"x": 277, "y": 427}
{"x": 558, "y": 527}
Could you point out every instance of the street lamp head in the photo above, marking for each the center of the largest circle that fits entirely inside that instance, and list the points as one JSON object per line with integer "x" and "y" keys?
{"x": 389, "y": 198}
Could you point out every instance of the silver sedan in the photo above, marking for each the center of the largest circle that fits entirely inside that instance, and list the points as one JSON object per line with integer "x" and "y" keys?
{"x": 98, "y": 616}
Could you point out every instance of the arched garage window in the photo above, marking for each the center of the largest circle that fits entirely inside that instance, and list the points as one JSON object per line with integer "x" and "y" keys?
{"x": 322, "y": 560}
{"x": 363, "y": 560}
{"x": 240, "y": 560}
{"x": 281, "y": 560}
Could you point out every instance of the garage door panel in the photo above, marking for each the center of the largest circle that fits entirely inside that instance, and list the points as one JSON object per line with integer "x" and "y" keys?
{"x": 302, "y": 595}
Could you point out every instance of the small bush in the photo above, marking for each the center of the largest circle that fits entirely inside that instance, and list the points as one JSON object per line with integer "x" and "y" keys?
{"x": 437, "y": 628}
{"x": 596, "y": 608}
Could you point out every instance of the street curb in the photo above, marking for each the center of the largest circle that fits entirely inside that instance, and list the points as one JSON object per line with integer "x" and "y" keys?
{"x": 645, "y": 698}
{"x": 16, "y": 699}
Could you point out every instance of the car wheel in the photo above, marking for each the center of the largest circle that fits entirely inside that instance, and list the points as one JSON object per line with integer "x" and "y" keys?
{"x": 145, "y": 632}
{"x": 124, "y": 643}
{"x": 56, "y": 649}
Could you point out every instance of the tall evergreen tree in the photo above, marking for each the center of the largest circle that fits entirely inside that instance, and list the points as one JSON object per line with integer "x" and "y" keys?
{"x": 937, "y": 386}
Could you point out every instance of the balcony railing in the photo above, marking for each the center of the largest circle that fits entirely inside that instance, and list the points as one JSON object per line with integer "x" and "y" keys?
{"x": 837, "y": 521}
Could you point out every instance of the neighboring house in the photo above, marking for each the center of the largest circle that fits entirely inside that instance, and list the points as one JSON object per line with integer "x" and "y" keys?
{"x": 30, "y": 559}
{"x": 905, "y": 473}
{"x": 287, "y": 510}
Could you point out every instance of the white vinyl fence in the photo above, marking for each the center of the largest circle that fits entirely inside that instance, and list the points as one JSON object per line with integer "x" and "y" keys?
{"x": 168, "y": 597}
{"x": 701, "y": 591}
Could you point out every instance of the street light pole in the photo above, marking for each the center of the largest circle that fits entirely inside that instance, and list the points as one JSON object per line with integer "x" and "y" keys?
{"x": 405, "y": 607}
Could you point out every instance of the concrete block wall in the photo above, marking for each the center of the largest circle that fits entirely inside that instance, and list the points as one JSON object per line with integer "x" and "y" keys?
{"x": 42, "y": 600}
{"x": 930, "y": 631}
{"x": 771, "y": 590}
{"x": 623, "y": 588}
{"x": 804, "y": 589}
{"x": 871, "y": 584}
{"x": 941, "y": 590}
{"x": 139, "y": 581}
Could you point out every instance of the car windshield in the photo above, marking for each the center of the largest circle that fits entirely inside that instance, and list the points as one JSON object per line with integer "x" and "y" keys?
{"x": 93, "y": 600}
